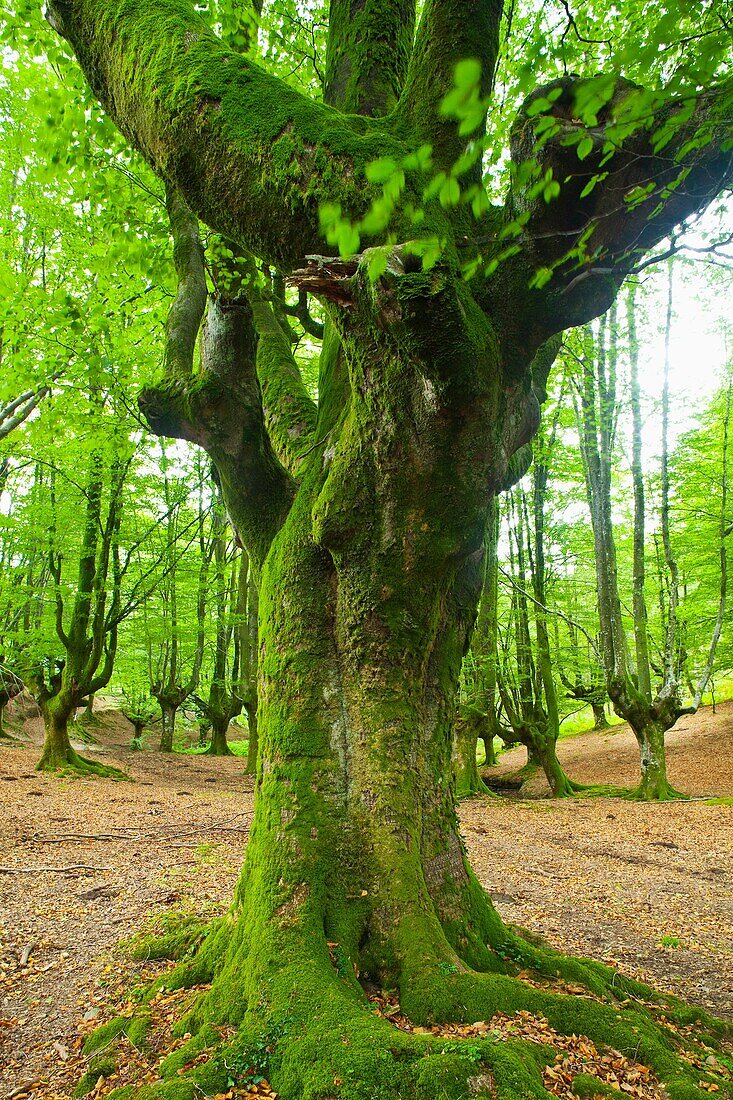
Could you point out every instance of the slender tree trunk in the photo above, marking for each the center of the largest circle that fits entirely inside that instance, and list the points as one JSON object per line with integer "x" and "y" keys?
{"x": 168, "y": 725}
{"x": 597, "y": 425}
{"x": 535, "y": 718}
{"x": 639, "y": 602}
{"x": 600, "y": 722}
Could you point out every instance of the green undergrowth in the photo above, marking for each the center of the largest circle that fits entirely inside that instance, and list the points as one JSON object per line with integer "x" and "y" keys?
{"x": 312, "y": 1032}
{"x": 103, "y": 1065}
{"x": 238, "y": 748}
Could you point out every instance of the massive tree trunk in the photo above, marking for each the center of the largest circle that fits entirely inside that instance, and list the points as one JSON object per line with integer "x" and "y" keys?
{"x": 365, "y": 517}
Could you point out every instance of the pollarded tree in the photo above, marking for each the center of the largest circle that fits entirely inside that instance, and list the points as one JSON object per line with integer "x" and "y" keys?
{"x": 87, "y": 618}
{"x": 231, "y": 642}
{"x": 527, "y": 686}
{"x": 365, "y": 519}
{"x": 651, "y": 710}
{"x": 174, "y": 672}
{"x": 10, "y": 687}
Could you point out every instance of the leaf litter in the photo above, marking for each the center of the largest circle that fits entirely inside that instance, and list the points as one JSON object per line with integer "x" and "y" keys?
{"x": 644, "y": 887}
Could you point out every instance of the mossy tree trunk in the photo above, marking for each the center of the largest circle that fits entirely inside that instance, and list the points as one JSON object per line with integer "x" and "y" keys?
{"x": 364, "y": 517}
{"x": 57, "y": 712}
{"x": 138, "y": 728}
{"x": 10, "y": 687}
{"x": 218, "y": 744}
{"x": 479, "y": 703}
{"x": 169, "y": 704}
{"x": 253, "y": 736}
{"x": 250, "y": 655}
{"x": 528, "y": 691}
{"x": 465, "y": 769}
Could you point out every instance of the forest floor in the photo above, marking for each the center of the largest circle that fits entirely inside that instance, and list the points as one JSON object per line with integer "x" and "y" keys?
{"x": 88, "y": 862}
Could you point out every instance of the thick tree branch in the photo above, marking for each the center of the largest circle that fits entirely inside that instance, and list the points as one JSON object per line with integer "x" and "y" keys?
{"x": 290, "y": 414}
{"x": 450, "y": 31}
{"x": 189, "y": 304}
{"x": 15, "y": 412}
{"x": 220, "y": 409}
{"x": 302, "y": 314}
{"x": 239, "y": 144}
{"x": 637, "y": 181}
{"x": 369, "y": 48}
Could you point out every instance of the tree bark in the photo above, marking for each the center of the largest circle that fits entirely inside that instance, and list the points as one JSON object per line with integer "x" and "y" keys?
{"x": 600, "y": 722}
{"x": 57, "y": 750}
{"x": 465, "y": 737}
{"x": 253, "y": 741}
{"x": 168, "y": 710}
{"x": 641, "y": 643}
{"x": 218, "y": 745}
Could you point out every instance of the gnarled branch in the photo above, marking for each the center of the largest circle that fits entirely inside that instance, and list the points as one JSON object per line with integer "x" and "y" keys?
{"x": 635, "y": 183}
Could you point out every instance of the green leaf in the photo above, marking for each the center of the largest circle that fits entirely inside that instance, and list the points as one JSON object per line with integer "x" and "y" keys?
{"x": 585, "y": 147}
{"x": 540, "y": 278}
{"x": 450, "y": 193}
{"x": 348, "y": 240}
{"x": 379, "y": 171}
{"x": 395, "y": 185}
{"x": 434, "y": 186}
{"x": 467, "y": 74}
{"x": 480, "y": 203}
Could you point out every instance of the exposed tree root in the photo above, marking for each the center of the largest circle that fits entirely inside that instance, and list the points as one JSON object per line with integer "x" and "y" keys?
{"x": 656, "y": 792}
{"x": 304, "y": 1021}
{"x": 71, "y": 763}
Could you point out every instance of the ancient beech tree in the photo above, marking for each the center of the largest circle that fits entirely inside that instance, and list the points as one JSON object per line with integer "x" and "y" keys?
{"x": 364, "y": 516}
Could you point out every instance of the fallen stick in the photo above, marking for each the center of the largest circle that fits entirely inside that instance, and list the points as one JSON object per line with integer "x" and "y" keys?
{"x": 20, "y": 1089}
{"x": 26, "y": 952}
{"x": 55, "y": 870}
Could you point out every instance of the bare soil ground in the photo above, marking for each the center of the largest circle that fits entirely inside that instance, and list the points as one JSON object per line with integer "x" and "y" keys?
{"x": 86, "y": 863}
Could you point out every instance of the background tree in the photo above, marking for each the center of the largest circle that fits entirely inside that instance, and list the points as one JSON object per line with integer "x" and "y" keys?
{"x": 172, "y": 681}
{"x": 650, "y": 713}
{"x": 229, "y": 584}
